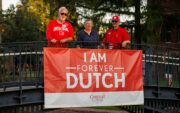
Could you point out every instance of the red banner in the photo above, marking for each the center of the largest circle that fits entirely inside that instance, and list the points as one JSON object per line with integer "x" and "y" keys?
{"x": 92, "y": 73}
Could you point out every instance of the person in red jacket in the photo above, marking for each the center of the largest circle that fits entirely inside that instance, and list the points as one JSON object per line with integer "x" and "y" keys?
{"x": 59, "y": 31}
{"x": 116, "y": 37}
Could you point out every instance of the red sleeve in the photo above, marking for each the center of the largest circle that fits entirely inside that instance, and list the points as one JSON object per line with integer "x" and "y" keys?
{"x": 49, "y": 32}
{"x": 71, "y": 32}
{"x": 125, "y": 36}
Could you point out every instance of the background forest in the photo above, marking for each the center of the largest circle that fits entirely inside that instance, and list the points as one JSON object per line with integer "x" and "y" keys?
{"x": 28, "y": 20}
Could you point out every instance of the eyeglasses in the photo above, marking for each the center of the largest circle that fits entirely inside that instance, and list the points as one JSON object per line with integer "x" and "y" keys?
{"x": 114, "y": 21}
{"x": 64, "y": 14}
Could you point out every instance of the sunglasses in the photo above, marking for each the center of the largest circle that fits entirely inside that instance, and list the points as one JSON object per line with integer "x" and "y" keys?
{"x": 64, "y": 14}
{"x": 114, "y": 21}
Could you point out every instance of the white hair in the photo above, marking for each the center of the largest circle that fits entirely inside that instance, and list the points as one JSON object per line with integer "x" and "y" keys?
{"x": 61, "y": 8}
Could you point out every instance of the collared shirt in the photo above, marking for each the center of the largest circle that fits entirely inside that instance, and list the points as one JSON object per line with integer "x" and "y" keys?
{"x": 59, "y": 31}
{"x": 84, "y": 40}
{"x": 115, "y": 37}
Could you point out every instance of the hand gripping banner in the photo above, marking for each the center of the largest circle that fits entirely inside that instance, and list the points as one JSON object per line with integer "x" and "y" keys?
{"x": 92, "y": 77}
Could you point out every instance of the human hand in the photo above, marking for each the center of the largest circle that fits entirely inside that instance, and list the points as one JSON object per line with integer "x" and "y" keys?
{"x": 53, "y": 40}
{"x": 102, "y": 46}
{"x": 63, "y": 41}
{"x": 98, "y": 47}
{"x": 78, "y": 47}
{"x": 126, "y": 44}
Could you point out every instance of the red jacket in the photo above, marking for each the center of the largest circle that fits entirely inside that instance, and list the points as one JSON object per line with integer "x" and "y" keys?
{"x": 117, "y": 36}
{"x": 59, "y": 31}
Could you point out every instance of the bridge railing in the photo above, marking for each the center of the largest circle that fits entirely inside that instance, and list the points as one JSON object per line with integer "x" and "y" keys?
{"x": 21, "y": 64}
{"x": 21, "y": 68}
{"x": 161, "y": 65}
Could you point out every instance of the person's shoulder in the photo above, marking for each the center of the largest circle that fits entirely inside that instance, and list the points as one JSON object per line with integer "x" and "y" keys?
{"x": 81, "y": 31}
{"x": 67, "y": 23}
{"x": 94, "y": 31}
{"x": 53, "y": 21}
{"x": 122, "y": 29}
{"x": 110, "y": 30}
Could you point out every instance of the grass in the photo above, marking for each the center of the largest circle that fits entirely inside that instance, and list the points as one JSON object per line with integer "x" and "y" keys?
{"x": 108, "y": 108}
{"x": 26, "y": 76}
{"x": 175, "y": 83}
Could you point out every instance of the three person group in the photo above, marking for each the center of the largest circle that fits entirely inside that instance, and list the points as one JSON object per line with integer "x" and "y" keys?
{"x": 59, "y": 32}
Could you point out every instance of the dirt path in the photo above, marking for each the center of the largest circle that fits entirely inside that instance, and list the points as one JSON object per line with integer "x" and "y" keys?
{"x": 84, "y": 110}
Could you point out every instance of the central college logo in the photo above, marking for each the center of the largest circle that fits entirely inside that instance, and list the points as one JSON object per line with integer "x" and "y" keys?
{"x": 63, "y": 28}
{"x": 97, "y": 98}
{"x": 56, "y": 29}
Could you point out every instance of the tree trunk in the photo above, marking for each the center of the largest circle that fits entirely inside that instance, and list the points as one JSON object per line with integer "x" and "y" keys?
{"x": 137, "y": 22}
{"x": 0, "y": 29}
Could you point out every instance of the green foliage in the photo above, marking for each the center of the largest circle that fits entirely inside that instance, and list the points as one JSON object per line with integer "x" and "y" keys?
{"x": 20, "y": 25}
{"x": 97, "y": 10}
{"x": 48, "y": 10}
{"x": 28, "y": 22}
{"x": 42, "y": 10}
{"x": 151, "y": 30}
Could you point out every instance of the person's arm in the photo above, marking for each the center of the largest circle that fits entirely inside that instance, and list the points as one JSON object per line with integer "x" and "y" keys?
{"x": 79, "y": 40}
{"x": 126, "y": 39}
{"x": 49, "y": 33}
{"x": 125, "y": 43}
{"x": 66, "y": 40}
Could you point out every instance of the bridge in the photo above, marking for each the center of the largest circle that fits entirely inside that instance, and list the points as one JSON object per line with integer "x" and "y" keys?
{"x": 22, "y": 83}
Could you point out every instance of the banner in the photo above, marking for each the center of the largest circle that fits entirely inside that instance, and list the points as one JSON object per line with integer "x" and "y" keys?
{"x": 92, "y": 77}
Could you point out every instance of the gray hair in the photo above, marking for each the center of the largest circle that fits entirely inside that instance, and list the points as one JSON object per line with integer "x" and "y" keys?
{"x": 61, "y": 8}
{"x": 87, "y": 21}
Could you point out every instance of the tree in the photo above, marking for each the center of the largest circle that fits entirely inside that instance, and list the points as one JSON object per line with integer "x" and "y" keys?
{"x": 20, "y": 24}
{"x": 98, "y": 9}
{"x": 0, "y": 11}
{"x": 151, "y": 29}
{"x": 80, "y": 10}
{"x": 48, "y": 10}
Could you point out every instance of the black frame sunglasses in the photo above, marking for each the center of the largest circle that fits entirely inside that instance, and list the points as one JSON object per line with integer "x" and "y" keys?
{"x": 114, "y": 21}
{"x": 64, "y": 14}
